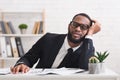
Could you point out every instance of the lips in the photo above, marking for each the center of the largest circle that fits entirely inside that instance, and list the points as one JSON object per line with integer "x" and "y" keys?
{"x": 77, "y": 35}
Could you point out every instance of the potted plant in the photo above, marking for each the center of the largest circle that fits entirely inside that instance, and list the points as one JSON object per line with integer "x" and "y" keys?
{"x": 23, "y": 28}
{"x": 101, "y": 56}
{"x": 96, "y": 62}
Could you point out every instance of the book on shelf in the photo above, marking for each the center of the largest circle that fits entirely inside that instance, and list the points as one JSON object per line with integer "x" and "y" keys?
{"x": 19, "y": 46}
{"x": 9, "y": 48}
{"x": 11, "y": 27}
{"x": 2, "y": 25}
{"x": 35, "y": 28}
{"x": 38, "y": 27}
{"x": 41, "y": 27}
{"x": 14, "y": 47}
{"x": 7, "y": 27}
{"x": 3, "y": 48}
{"x": 0, "y": 29}
{"x": 9, "y": 52}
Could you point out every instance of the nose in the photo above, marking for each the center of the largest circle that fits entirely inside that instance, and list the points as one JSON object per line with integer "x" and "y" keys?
{"x": 78, "y": 28}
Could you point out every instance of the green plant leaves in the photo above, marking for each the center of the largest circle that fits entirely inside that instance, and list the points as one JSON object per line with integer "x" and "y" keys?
{"x": 23, "y": 26}
{"x": 101, "y": 56}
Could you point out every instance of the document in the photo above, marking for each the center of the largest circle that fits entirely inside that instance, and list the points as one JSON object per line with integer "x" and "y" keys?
{"x": 57, "y": 71}
{"x": 46, "y": 71}
{"x": 4, "y": 71}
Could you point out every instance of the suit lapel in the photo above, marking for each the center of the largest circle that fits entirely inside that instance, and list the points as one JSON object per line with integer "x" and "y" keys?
{"x": 58, "y": 42}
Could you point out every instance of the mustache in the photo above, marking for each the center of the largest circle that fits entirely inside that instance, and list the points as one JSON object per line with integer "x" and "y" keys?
{"x": 69, "y": 36}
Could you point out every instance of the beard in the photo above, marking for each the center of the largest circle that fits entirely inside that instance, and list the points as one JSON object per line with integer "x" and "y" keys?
{"x": 75, "y": 41}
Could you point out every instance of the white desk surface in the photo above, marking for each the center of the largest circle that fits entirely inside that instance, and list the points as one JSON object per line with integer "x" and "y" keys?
{"x": 107, "y": 75}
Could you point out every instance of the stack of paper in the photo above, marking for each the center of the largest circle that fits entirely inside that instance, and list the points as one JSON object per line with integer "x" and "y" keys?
{"x": 59, "y": 71}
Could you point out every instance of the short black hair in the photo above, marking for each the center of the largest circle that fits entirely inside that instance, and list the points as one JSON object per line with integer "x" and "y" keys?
{"x": 85, "y": 15}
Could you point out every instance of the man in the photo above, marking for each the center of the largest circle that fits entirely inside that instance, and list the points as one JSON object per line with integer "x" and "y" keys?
{"x": 51, "y": 49}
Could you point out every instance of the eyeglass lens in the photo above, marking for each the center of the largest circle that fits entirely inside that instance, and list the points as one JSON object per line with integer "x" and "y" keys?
{"x": 82, "y": 26}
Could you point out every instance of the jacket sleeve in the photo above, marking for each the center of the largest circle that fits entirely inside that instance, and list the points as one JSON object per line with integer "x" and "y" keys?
{"x": 34, "y": 54}
{"x": 88, "y": 51}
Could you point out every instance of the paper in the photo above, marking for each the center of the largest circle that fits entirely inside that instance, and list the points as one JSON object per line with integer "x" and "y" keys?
{"x": 4, "y": 71}
{"x": 59, "y": 71}
{"x": 34, "y": 71}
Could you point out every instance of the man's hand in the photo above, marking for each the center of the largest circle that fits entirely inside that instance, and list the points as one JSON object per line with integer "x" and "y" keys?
{"x": 20, "y": 68}
{"x": 94, "y": 28}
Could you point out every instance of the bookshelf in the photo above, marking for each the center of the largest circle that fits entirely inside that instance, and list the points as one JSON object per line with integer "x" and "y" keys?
{"x": 29, "y": 18}
{"x": 34, "y": 20}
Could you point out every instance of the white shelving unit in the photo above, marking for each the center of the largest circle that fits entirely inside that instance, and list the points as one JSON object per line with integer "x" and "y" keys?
{"x": 21, "y": 35}
{"x": 27, "y": 39}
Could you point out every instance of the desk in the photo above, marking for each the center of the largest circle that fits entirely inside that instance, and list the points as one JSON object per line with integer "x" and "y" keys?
{"x": 107, "y": 75}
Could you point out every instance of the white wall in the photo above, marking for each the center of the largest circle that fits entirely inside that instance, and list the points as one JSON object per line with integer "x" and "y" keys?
{"x": 60, "y": 12}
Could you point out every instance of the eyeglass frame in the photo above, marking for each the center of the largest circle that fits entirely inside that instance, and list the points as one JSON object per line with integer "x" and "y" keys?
{"x": 82, "y": 26}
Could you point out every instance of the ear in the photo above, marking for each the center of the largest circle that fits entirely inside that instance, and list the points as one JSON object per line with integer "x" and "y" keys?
{"x": 93, "y": 22}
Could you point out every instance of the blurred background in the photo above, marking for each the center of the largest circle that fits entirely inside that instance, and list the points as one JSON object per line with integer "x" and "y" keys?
{"x": 58, "y": 14}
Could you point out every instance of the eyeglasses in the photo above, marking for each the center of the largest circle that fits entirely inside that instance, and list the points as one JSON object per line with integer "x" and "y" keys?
{"x": 82, "y": 26}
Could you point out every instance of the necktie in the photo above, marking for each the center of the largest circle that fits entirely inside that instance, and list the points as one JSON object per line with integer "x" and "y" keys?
{"x": 65, "y": 62}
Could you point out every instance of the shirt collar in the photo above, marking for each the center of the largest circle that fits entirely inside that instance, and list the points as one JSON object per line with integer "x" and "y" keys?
{"x": 67, "y": 46}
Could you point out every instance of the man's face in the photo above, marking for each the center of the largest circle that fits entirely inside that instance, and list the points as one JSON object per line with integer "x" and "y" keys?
{"x": 78, "y": 29}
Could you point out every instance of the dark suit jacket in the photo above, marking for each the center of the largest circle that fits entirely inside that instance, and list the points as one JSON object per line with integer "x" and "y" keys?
{"x": 47, "y": 48}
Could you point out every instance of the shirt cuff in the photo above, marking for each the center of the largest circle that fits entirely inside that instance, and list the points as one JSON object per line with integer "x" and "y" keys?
{"x": 19, "y": 63}
{"x": 88, "y": 37}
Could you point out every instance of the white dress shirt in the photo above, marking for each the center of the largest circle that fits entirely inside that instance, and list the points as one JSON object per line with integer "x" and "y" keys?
{"x": 62, "y": 53}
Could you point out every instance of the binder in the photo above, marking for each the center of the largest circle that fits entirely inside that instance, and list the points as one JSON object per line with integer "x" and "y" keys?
{"x": 19, "y": 46}
{"x": 14, "y": 47}
{"x": 3, "y": 49}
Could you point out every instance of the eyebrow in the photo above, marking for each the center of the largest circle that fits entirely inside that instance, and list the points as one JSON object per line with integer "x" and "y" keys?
{"x": 80, "y": 23}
